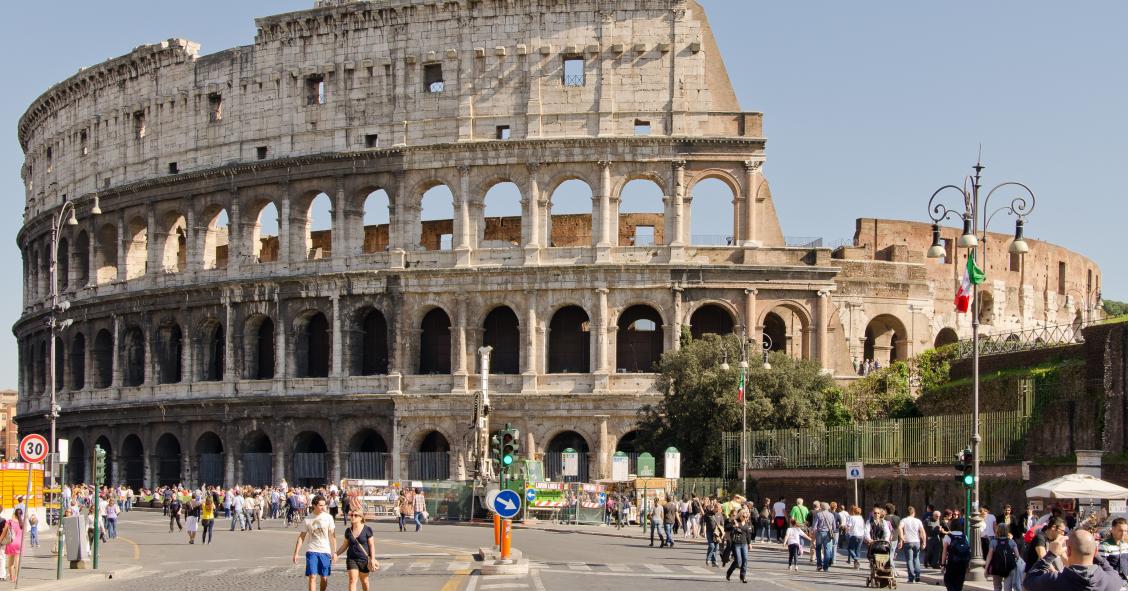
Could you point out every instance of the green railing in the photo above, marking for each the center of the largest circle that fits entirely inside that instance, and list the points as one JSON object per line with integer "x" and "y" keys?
{"x": 920, "y": 440}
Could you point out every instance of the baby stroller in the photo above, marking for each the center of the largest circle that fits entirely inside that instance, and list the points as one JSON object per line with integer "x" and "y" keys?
{"x": 881, "y": 569}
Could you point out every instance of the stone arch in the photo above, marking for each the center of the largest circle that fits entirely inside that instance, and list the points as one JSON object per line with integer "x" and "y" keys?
{"x": 103, "y": 442}
{"x": 63, "y": 270}
{"x": 258, "y": 351}
{"x": 435, "y": 342}
{"x": 712, "y": 195}
{"x": 136, "y": 247}
{"x": 431, "y": 461}
{"x": 76, "y": 467}
{"x": 501, "y": 330}
{"x": 314, "y": 226}
{"x": 569, "y": 213}
{"x": 641, "y": 212}
{"x": 133, "y": 461}
{"x": 132, "y": 357}
{"x": 257, "y": 453}
{"x": 106, "y": 253}
{"x": 946, "y": 336}
{"x": 174, "y": 250}
{"x": 312, "y": 345}
{"x": 886, "y": 340}
{"x": 436, "y": 216}
{"x": 787, "y": 324}
{"x": 264, "y": 238}
{"x": 500, "y": 219}
{"x": 212, "y": 351}
{"x": 82, "y": 259}
{"x": 310, "y": 454}
{"x": 168, "y": 460}
{"x": 103, "y": 359}
{"x": 369, "y": 339}
{"x": 367, "y": 454}
{"x": 553, "y": 455}
{"x": 209, "y": 458}
{"x": 569, "y": 341}
{"x": 712, "y": 318}
{"x": 638, "y": 343}
{"x": 376, "y": 220}
{"x": 170, "y": 353}
{"x": 77, "y": 362}
{"x": 215, "y": 250}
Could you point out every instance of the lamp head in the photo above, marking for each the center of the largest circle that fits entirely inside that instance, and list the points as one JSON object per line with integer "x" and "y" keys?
{"x": 96, "y": 210}
{"x": 71, "y": 220}
{"x": 968, "y": 239}
{"x": 724, "y": 366}
{"x": 1019, "y": 246}
{"x": 936, "y": 251}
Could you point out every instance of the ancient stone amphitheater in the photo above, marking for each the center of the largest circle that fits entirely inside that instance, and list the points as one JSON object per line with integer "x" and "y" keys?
{"x": 218, "y": 335}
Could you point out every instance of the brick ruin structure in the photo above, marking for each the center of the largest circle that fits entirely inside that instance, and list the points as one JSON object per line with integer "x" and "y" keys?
{"x": 218, "y": 336}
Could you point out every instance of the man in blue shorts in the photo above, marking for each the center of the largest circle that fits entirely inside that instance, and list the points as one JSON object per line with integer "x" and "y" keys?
{"x": 321, "y": 550}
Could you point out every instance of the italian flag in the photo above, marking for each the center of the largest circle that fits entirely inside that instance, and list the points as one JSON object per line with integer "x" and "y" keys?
{"x": 740, "y": 390}
{"x": 973, "y": 276}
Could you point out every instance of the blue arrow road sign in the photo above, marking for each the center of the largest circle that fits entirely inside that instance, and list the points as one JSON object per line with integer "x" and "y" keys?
{"x": 602, "y": 498}
{"x": 507, "y": 504}
{"x": 530, "y": 494}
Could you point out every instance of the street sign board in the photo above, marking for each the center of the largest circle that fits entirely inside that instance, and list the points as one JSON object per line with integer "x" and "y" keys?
{"x": 645, "y": 465}
{"x": 602, "y": 498}
{"x": 571, "y": 460}
{"x": 855, "y": 471}
{"x": 530, "y": 495}
{"x": 34, "y": 448}
{"x": 507, "y": 504}
{"x": 62, "y": 448}
{"x": 620, "y": 466}
{"x": 672, "y": 467}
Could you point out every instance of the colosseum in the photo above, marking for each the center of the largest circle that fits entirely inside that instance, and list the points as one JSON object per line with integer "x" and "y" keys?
{"x": 213, "y": 332}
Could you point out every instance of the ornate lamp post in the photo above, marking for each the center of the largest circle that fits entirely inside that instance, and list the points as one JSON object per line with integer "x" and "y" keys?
{"x": 767, "y": 346}
{"x": 977, "y": 215}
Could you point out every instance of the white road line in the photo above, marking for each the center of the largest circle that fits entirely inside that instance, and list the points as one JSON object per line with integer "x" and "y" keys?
{"x": 603, "y": 574}
{"x": 699, "y": 570}
{"x": 537, "y": 582}
{"x": 213, "y": 572}
{"x": 458, "y": 565}
{"x": 420, "y": 564}
{"x": 473, "y": 584}
{"x": 258, "y": 570}
{"x": 619, "y": 568}
{"x": 505, "y": 586}
{"x": 656, "y": 568}
{"x": 578, "y": 566}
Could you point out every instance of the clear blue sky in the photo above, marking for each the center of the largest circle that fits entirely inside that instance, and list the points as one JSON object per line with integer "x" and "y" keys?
{"x": 868, "y": 106}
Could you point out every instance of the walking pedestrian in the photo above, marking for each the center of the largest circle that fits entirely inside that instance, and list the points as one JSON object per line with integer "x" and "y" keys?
{"x": 825, "y": 523}
{"x": 740, "y": 535}
{"x": 779, "y": 519}
{"x": 987, "y": 529}
{"x": 174, "y": 510}
{"x": 656, "y": 513}
{"x": 207, "y": 520}
{"x": 33, "y": 528}
{"x": 956, "y": 557}
{"x": 912, "y": 536}
{"x": 794, "y": 537}
{"x": 12, "y": 537}
{"x": 855, "y": 532}
{"x": 420, "y": 506}
{"x": 764, "y": 521}
{"x": 406, "y": 507}
{"x": 714, "y": 533}
{"x": 321, "y": 549}
{"x": 192, "y": 517}
{"x": 360, "y": 545}
{"x": 670, "y": 520}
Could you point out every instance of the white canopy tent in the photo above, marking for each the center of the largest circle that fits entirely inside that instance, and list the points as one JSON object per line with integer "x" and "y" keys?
{"x": 1078, "y": 486}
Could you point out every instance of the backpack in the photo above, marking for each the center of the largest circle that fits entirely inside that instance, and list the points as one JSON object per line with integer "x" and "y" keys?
{"x": 1004, "y": 560}
{"x": 695, "y": 507}
{"x": 959, "y": 550}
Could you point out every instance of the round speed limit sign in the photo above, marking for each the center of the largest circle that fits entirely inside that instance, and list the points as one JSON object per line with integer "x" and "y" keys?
{"x": 33, "y": 448}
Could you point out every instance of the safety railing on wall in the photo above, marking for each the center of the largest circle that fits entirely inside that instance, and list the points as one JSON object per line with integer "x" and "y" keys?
{"x": 1043, "y": 337}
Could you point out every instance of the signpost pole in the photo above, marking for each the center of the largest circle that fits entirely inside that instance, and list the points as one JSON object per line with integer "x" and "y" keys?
{"x": 856, "y": 494}
{"x": 26, "y": 507}
{"x": 59, "y": 523}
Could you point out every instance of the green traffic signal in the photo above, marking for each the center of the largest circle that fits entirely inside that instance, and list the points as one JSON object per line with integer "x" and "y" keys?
{"x": 969, "y": 480}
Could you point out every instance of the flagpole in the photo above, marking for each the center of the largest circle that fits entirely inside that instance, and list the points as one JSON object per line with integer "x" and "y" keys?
{"x": 743, "y": 427}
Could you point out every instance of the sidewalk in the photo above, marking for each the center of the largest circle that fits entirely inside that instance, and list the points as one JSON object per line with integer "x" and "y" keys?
{"x": 39, "y": 566}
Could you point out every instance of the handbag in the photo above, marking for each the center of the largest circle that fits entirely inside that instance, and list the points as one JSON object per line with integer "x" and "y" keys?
{"x": 7, "y": 539}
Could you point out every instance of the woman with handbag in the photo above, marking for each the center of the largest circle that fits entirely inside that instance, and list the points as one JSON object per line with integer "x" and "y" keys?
{"x": 361, "y": 548}
{"x": 11, "y": 537}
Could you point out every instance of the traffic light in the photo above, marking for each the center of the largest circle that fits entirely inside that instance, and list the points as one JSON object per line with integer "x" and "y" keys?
{"x": 99, "y": 465}
{"x": 509, "y": 445}
{"x": 965, "y": 466}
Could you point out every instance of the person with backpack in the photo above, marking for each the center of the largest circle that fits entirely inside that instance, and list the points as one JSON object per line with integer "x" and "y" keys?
{"x": 956, "y": 557}
{"x": 1003, "y": 562}
{"x": 714, "y": 533}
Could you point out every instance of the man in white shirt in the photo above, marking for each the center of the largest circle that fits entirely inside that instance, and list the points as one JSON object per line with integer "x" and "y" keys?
{"x": 987, "y": 529}
{"x": 779, "y": 518}
{"x": 913, "y": 540}
{"x": 321, "y": 549}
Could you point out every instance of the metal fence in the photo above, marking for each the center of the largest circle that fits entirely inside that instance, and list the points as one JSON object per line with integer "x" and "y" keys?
{"x": 554, "y": 467}
{"x": 920, "y": 440}
{"x": 367, "y": 465}
{"x": 1043, "y": 337}
{"x": 803, "y": 241}
{"x": 711, "y": 240}
{"x": 429, "y": 465}
{"x": 211, "y": 469}
{"x": 257, "y": 470}
{"x": 309, "y": 468}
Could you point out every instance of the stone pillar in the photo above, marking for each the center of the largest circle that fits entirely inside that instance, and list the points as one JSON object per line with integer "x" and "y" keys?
{"x": 191, "y": 234}
{"x": 149, "y": 471}
{"x": 187, "y": 353}
{"x": 337, "y": 350}
{"x": 677, "y": 193}
{"x": 279, "y": 458}
{"x": 115, "y": 468}
{"x": 461, "y": 372}
{"x": 751, "y": 189}
{"x": 279, "y": 341}
{"x": 228, "y": 464}
{"x": 229, "y": 370}
{"x": 602, "y": 365}
{"x": 340, "y": 235}
{"x": 237, "y": 245}
{"x": 285, "y": 228}
{"x": 154, "y": 243}
{"x": 821, "y": 319}
{"x": 335, "y": 459}
{"x": 396, "y": 472}
{"x": 751, "y": 327}
{"x": 116, "y": 357}
{"x": 531, "y": 361}
{"x": 92, "y": 256}
{"x": 675, "y": 343}
{"x": 532, "y": 224}
{"x": 462, "y": 218}
{"x": 603, "y": 243}
{"x": 603, "y": 457}
{"x": 121, "y": 266}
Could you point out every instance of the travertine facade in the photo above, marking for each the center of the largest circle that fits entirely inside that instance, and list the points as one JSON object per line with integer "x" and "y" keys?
{"x": 205, "y": 348}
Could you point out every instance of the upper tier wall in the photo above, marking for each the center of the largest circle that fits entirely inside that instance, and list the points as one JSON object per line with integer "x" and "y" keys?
{"x": 163, "y": 110}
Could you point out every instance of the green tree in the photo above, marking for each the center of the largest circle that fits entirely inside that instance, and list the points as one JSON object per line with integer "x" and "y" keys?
{"x": 1115, "y": 308}
{"x": 699, "y": 401}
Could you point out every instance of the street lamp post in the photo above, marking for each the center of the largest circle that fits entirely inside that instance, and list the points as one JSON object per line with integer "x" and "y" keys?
{"x": 767, "y": 346}
{"x": 977, "y": 216}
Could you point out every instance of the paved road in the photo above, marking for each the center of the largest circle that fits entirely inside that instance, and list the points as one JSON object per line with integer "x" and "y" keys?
{"x": 438, "y": 558}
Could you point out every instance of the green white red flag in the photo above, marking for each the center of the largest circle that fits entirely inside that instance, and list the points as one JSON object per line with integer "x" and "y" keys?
{"x": 973, "y": 276}
{"x": 740, "y": 390}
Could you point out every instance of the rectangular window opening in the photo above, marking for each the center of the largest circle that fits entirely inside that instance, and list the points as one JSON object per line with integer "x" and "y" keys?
{"x": 1061, "y": 277}
{"x": 315, "y": 89}
{"x": 573, "y": 70}
{"x": 106, "y": 183}
{"x": 83, "y": 148}
{"x": 260, "y": 152}
{"x": 372, "y": 140}
{"x": 502, "y": 132}
{"x": 446, "y": 241}
{"x": 172, "y": 168}
{"x": 433, "y": 78}
{"x": 643, "y": 236}
{"x": 215, "y": 107}
{"x": 641, "y": 127}
{"x": 139, "y": 124}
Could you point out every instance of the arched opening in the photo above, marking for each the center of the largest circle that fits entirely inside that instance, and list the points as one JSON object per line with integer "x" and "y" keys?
{"x": 133, "y": 462}
{"x": 106, "y": 253}
{"x": 111, "y": 474}
{"x": 710, "y": 319}
{"x": 257, "y": 453}
{"x": 370, "y": 344}
{"x": 631, "y": 444}
{"x": 76, "y": 467}
{"x": 775, "y": 329}
{"x": 986, "y": 304}
{"x": 554, "y": 456}
{"x": 212, "y": 352}
{"x": 946, "y": 336}
{"x": 217, "y": 238}
{"x": 77, "y": 361}
{"x": 712, "y": 214}
{"x": 319, "y": 228}
{"x": 82, "y": 259}
{"x": 259, "y": 338}
{"x": 501, "y": 331}
{"x": 171, "y": 353}
{"x": 501, "y": 222}
{"x": 63, "y": 271}
{"x": 136, "y": 248}
{"x": 788, "y": 328}
{"x": 639, "y": 343}
{"x": 368, "y": 455}
{"x": 168, "y": 460}
{"x": 377, "y": 215}
{"x": 434, "y": 343}
{"x": 886, "y": 340}
{"x": 569, "y": 215}
{"x": 641, "y": 214}
{"x": 309, "y": 459}
{"x": 174, "y": 257}
{"x": 569, "y": 341}
{"x": 209, "y": 458}
{"x": 265, "y": 245}
{"x": 133, "y": 357}
{"x": 436, "y": 217}
{"x": 432, "y": 461}
{"x": 312, "y": 349}
{"x": 103, "y": 366}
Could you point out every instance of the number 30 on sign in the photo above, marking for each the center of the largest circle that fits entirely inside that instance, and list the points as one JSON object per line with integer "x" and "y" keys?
{"x": 33, "y": 448}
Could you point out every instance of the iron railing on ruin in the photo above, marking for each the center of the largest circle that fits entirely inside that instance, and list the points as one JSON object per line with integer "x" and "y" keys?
{"x": 1043, "y": 337}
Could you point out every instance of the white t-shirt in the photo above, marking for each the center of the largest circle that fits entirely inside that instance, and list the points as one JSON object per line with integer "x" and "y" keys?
{"x": 857, "y": 526}
{"x": 318, "y": 528}
{"x": 780, "y": 509}
{"x": 793, "y": 536}
{"x": 988, "y": 530}
{"x": 912, "y": 528}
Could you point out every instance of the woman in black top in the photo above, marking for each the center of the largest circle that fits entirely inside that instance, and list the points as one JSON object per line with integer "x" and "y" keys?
{"x": 361, "y": 548}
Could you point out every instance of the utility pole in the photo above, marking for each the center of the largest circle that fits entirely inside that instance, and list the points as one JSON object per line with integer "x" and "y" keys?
{"x": 482, "y": 419}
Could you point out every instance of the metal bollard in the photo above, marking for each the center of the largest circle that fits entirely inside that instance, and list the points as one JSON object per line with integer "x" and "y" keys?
{"x": 497, "y": 530}
{"x": 506, "y": 537}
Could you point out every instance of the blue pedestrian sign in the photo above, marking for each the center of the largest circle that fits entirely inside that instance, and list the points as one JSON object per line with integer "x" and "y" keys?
{"x": 602, "y": 498}
{"x": 530, "y": 494}
{"x": 507, "y": 504}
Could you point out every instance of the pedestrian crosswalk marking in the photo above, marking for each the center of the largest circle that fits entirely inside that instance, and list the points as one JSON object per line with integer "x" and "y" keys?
{"x": 578, "y": 566}
{"x": 619, "y": 568}
{"x": 657, "y": 568}
{"x": 699, "y": 570}
{"x": 420, "y": 564}
{"x": 458, "y": 565}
